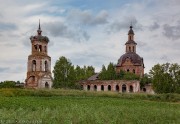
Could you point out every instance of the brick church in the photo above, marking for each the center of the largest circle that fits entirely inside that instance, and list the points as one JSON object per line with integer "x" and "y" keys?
{"x": 130, "y": 62}
{"x": 39, "y": 63}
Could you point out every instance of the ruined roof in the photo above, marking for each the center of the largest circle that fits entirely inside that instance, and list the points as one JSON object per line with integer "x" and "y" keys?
{"x": 135, "y": 59}
{"x": 93, "y": 77}
{"x": 39, "y": 38}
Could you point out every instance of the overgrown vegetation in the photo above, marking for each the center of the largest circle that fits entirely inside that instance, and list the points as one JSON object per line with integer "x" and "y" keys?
{"x": 67, "y": 76}
{"x": 11, "y": 84}
{"x": 65, "y": 92}
{"x": 110, "y": 74}
{"x": 166, "y": 78}
{"x": 74, "y": 106}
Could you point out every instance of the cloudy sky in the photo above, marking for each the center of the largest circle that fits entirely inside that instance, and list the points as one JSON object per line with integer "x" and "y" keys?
{"x": 88, "y": 32}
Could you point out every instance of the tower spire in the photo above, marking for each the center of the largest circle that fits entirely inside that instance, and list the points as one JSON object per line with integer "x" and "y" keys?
{"x": 39, "y": 25}
{"x": 39, "y": 29}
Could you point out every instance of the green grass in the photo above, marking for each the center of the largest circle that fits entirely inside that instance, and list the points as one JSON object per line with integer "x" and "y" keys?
{"x": 69, "y": 106}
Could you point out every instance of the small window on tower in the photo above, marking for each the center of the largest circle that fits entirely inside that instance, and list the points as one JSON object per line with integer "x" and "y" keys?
{"x": 45, "y": 48}
{"x": 133, "y": 49}
{"x": 35, "y": 47}
{"x": 40, "y": 48}
{"x": 130, "y": 37}
{"x": 129, "y": 49}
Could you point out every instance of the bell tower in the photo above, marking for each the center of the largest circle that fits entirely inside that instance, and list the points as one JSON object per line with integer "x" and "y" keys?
{"x": 39, "y": 63}
{"x": 131, "y": 44}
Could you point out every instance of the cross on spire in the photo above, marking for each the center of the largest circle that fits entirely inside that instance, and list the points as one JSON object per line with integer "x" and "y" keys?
{"x": 39, "y": 29}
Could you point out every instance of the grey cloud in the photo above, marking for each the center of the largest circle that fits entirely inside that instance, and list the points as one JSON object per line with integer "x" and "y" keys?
{"x": 154, "y": 26}
{"x": 87, "y": 18}
{"x": 7, "y": 26}
{"x": 141, "y": 44}
{"x": 4, "y": 69}
{"x": 116, "y": 26}
{"x": 171, "y": 32}
{"x": 59, "y": 29}
{"x": 164, "y": 58}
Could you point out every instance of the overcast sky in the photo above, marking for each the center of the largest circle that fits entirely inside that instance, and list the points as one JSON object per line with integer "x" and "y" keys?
{"x": 88, "y": 32}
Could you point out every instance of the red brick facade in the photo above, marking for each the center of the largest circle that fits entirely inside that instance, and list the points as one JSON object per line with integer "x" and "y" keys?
{"x": 39, "y": 63}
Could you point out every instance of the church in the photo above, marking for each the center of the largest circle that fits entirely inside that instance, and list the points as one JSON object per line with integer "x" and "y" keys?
{"x": 129, "y": 62}
{"x": 39, "y": 63}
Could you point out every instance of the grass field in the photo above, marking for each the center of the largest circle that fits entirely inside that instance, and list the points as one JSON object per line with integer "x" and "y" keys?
{"x": 79, "y": 108}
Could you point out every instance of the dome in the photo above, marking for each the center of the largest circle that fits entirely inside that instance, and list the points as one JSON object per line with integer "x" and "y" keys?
{"x": 130, "y": 42}
{"x": 135, "y": 59}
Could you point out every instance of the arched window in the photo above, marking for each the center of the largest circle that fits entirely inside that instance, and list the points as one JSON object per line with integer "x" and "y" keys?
{"x": 144, "y": 89}
{"x": 35, "y": 47}
{"x": 95, "y": 88}
{"x": 88, "y": 87}
{"x": 32, "y": 78}
{"x": 109, "y": 87}
{"x": 46, "y": 66}
{"x": 117, "y": 88}
{"x": 129, "y": 49}
{"x": 102, "y": 87}
{"x": 131, "y": 88}
{"x": 40, "y": 48}
{"x": 46, "y": 85}
{"x": 34, "y": 65}
{"x": 123, "y": 88}
{"x": 134, "y": 71}
{"x": 127, "y": 70}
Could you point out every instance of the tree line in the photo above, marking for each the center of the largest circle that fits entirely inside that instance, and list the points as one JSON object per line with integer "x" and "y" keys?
{"x": 110, "y": 73}
{"x": 165, "y": 78}
{"x": 66, "y": 75}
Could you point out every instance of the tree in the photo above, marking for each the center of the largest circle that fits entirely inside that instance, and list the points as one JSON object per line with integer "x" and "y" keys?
{"x": 146, "y": 79}
{"x": 165, "y": 78}
{"x": 67, "y": 76}
{"x": 63, "y": 71}
{"x": 102, "y": 75}
{"x": 111, "y": 72}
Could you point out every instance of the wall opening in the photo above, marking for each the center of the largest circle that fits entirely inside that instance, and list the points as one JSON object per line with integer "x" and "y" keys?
{"x": 117, "y": 88}
{"x": 35, "y": 47}
{"x": 40, "y": 48}
{"x": 123, "y": 88}
{"x": 134, "y": 71}
{"x": 127, "y": 70}
{"x": 88, "y": 87}
{"x": 102, "y": 87}
{"x": 46, "y": 85}
{"x": 129, "y": 49}
{"x": 95, "y": 88}
{"x": 46, "y": 66}
{"x": 144, "y": 89}
{"x": 109, "y": 87}
{"x": 131, "y": 88}
{"x": 34, "y": 65}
